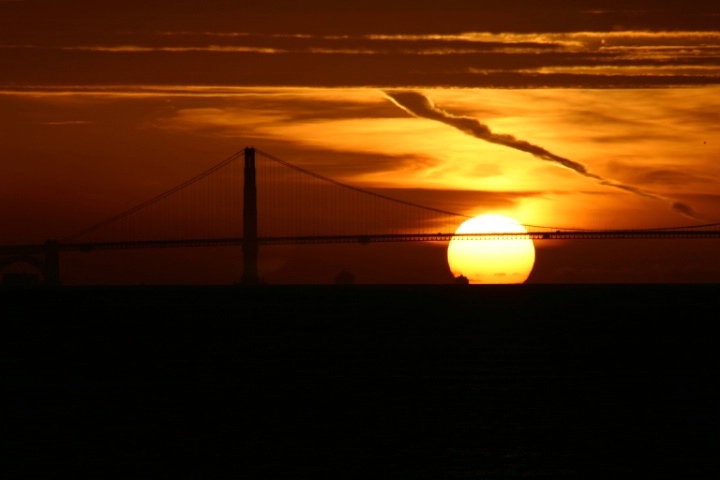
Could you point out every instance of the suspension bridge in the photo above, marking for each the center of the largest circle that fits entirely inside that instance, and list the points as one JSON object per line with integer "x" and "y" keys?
{"x": 281, "y": 203}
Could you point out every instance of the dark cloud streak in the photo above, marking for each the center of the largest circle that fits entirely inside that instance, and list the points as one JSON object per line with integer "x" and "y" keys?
{"x": 419, "y": 105}
{"x": 195, "y": 55}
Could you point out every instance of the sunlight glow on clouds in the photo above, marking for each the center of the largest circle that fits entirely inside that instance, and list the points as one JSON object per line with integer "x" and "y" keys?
{"x": 654, "y": 144}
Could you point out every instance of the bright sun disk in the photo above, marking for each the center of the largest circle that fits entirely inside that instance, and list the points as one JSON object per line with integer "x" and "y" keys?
{"x": 491, "y": 261}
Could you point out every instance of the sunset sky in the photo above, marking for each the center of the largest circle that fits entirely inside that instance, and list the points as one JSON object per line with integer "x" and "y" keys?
{"x": 601, "y": 114}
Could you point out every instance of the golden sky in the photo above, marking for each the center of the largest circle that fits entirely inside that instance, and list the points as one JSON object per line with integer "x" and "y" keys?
{"x": 603, "y": 115}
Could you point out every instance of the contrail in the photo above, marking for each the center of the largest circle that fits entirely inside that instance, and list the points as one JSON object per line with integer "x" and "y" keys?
{"x": 419, "y": 105}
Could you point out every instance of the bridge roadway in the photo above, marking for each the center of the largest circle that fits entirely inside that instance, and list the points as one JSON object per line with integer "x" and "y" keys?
{"x": 30, "y": 249}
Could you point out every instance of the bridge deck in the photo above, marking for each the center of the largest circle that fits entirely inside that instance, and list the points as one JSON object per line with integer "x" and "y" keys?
{"x": 29, "y": 249}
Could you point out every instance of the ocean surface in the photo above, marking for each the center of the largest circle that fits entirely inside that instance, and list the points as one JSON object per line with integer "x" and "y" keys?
{"x": 437, "y": 382}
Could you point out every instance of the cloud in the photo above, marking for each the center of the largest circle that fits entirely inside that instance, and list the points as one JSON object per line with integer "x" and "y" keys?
{"x": 596, "y": 59}
{"x": 419, "y": 105}
{"x": 657, "y": 176}
{"x": 69, "y": 122}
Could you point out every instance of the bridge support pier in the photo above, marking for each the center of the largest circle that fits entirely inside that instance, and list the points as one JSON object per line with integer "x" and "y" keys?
{"x": 250, "y": 244}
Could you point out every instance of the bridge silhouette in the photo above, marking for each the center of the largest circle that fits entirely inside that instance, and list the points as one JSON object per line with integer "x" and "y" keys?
{"x": 281, "y": 203}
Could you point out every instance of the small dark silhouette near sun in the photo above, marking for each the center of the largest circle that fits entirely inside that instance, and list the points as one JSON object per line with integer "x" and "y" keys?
{"x": 345, "y": 278}
{"x": 461, "y": 280}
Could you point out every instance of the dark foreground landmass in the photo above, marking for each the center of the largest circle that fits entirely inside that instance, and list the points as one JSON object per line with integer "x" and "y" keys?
{"x": 543, "y": 381}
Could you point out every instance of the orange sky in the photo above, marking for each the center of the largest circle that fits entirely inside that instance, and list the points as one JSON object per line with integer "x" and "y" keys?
{"x": 103, "y": 107}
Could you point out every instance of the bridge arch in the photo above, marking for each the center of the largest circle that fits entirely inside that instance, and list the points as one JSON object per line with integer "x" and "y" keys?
{"x": 44, "y": 258}
{"x": 37, "y": 263}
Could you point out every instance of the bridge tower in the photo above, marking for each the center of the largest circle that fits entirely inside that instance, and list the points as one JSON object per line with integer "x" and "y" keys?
{"x": 250, "y": 243}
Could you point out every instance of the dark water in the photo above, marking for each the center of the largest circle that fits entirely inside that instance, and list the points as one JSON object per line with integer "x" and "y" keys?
{"x": 544, "y": 381}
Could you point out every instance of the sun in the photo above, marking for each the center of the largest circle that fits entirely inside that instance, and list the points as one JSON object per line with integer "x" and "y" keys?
{"x": 491, "y": 261}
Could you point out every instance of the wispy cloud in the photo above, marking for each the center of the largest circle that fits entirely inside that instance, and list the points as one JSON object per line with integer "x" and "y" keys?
{"x": 208, "y": 48}
{"x": 472, "y": 59}
{"x": 68, "y": 122}
{"x": 632, "y": 70}
{"x": 421, "y": 106}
